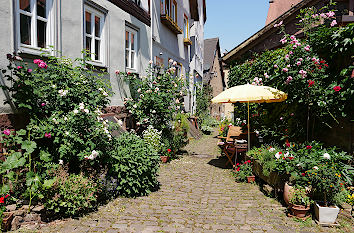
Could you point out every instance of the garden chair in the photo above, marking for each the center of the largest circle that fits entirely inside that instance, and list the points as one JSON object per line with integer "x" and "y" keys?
{"x": 228, "y": 145}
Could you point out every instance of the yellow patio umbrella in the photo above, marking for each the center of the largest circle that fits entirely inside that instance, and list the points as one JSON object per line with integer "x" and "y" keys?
{"x": 250, "y": 94}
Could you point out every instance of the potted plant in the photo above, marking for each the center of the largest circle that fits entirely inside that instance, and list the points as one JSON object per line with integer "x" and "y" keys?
{"x": 327, "y": 184}
{"x": 244, "y": 173}
{"x": 165, "y": 155}
{"x": 6, "y": 217}
{"x": 300, "y": 201}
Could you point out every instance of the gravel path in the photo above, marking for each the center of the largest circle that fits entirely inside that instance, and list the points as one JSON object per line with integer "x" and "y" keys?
{"x": 195, "y": 196}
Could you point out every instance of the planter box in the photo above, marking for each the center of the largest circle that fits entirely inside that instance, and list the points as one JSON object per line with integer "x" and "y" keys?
{"x": 274, "y": 179}
{"x": 326, "y": 214}
{"x": 164, "y": 159}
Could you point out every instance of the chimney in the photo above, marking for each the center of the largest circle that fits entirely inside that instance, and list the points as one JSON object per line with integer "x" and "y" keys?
{"x": 279, "y": 7}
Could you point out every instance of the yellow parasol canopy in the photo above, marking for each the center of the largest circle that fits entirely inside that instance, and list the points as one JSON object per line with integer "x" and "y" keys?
{"x": 250, "y": 94}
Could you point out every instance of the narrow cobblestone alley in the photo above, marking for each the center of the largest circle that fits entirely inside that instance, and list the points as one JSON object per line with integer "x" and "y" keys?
{"x": 194, "y": 197}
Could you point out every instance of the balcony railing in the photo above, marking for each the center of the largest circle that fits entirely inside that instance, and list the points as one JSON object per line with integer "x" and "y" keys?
{"x": 168, "y": 21}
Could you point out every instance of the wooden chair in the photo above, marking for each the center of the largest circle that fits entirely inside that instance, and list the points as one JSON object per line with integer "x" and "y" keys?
{"x": 228, "y": 145}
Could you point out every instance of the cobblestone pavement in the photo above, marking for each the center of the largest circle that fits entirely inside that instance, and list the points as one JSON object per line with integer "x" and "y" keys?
{"x": 195, "y": 196}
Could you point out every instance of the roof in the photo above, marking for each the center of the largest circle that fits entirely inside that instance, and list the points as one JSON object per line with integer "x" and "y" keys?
{"x": 269, "y": 29}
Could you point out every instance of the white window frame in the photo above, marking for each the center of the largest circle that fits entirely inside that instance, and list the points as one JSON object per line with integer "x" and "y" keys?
{"x": 129, "y": 50}
{"x": 103, "y": 41}
{"x": 50, "y": 21}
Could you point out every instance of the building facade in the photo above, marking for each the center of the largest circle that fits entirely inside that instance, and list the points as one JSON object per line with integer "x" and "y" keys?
{"x": 214, "y": 75}
{"x": 177, "y": 34}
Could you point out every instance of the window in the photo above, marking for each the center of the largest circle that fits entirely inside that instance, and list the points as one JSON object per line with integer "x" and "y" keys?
{"x": 94, "y": 42}
{"x": 130, "y": 48}
{"x": 174, "y": 11}
{"x": 185, "y": 27}
{"x": 170, "y": 7}
{"x": 34, "y": 24}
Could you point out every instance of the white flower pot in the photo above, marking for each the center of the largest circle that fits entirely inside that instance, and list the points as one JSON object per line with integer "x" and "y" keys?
{"x": 326, "y": 214}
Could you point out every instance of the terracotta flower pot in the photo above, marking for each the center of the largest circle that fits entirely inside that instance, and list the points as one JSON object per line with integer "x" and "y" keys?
{"x": 6, "y": 221}
{"x": 299, "y": 211}
{"x": 287, "y": 192}
{"x": 251, "y": 179}
{"x": 165, "y": 159}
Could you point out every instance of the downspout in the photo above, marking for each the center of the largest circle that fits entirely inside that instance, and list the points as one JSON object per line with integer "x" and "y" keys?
{"x": 151, "y": 28}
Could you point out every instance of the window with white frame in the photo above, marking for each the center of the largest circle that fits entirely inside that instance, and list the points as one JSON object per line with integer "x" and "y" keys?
{"x": 186, "y": 27}
{"x": 34, "y": 23}
{"x": 131, "y": 47}
{"x": 94, "y": 39}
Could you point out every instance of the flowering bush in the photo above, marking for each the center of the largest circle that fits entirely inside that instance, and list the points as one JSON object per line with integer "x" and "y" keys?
{"x": 155, "y": 99}
{"x": 299, "y": 196}
{"x": 153, "y": 138}
{"x": 314, "y": 87}
{"x": 243, "y": 170}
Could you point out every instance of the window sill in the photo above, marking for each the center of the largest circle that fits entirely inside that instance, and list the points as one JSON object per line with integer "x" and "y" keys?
{"x": 187, "y": 41}
{"x": 36, "y": 51}
{"x": 131, "y": 70}
{"x": 97, "y": 65}
{"x": 167, "y": 20}
{"x": 347, "y": 18}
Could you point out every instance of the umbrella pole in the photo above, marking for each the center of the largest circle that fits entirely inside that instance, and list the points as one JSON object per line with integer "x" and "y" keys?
{"x": 248, "y": 126}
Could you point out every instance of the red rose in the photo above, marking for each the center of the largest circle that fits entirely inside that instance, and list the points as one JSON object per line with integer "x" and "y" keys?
{"x": 311, "y": 82}
{"x": 337, "y": 88}
{"x": 237, "y": 164}
{"x": 169, "y": 150}
{"x": 2, "y": 200}
{"x": 322, "y": 61}
{"x": 320, "y": 67}
{"x": 238, "y": 169}
{"x": 303, "y": 174}
{"x": 280, "y": 152}
{"x": 325, "y": 65}
{"x": 288, "y": 144}
{"x": 7, "y": 196}
{"x": 291, "y": 158}
{"x": 248, "y": 161}
{"x": 309, "y": 147}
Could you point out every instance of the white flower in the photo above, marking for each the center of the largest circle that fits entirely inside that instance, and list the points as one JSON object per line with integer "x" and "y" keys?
{"x": 271, "y": 149}
{"x": 82, "y": 107}
{"x": 174, "y": 63}
{"x": 67, "y": 133}
{"x": 76, "y": 111}
{"x": 120, "y": 122}
{"x": 100, "y": 89}
{"x": 92, "y": 156}
{"x": 315, "y": 167}
{"x": 138, "y": 123}
{"x": 150, "y": 62}
{"x": 105, "y": 93}
{"x": 170, "y": 61}
{"x": 177, "y": 101}
{"x": 139, "y": 90}
{"x": 65, "y": 118}
{"x": 135, "y": 106}
{"x": 277, "y": 155}
{"x": 54, "y": 86}
{"x": 286, "y": 154}
{"x": 326, "y": 156}
{"x": 86, "y": 110}
{"x": 153, "y": 112}
{"x": 61, "y": 162}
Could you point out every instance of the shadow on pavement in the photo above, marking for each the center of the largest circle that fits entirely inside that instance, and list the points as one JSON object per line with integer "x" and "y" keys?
{"x": 220, "y": 162}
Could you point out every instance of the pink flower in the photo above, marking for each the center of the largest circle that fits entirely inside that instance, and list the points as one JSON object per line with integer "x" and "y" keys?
{"x": 43, "y": 104}
{"x": 289, "y": 79}
{"x": 283, "y": 40}
{"x": 285, "y": 69}
{"x": 292, "y": 37}
{"x": 47, "y": 135}
{"x": 323, "y": 15}
{"x": 43, "y": 65}
{"x": 303, "y": 73}
{"x": 300, "y": 59}
{"x": 275, "y": 66}
{"x": 334, "y": 22}
{"x": 298, "y": 63}
{"x": 287, "y": 56}
{"x": 307, "y": 48}
{"x": 330, "y": 14}
{"x": 309, "y": 147}
{"x": 7, "y": 132}
{"x": 291, "y": 53}
{"x": 337, "y": 88}
{"x": 37, "y": 61}
{"x": 29, "y": 70}
{"x": 19, "y": 67}
{"x": 117, "y": 71}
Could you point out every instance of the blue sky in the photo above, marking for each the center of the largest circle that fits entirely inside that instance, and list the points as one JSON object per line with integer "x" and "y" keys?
{"x": 233, "y": 21}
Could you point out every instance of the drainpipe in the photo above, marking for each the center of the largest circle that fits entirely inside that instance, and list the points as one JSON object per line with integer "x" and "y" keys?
{"x": 151, "y": 28}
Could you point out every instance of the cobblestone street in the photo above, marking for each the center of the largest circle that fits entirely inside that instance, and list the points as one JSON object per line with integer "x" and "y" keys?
{"x": 194, "y": 197}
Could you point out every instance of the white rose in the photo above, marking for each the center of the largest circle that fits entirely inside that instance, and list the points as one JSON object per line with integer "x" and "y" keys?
{"x": 271, "y": 149}
{"x": 76, "y": 111}
{"x": 326, "y": 156}
{"x": 286, "y": 154}
{"x": 277, "y": 155}
{"x": 153, "y": 111}
{"x": 135, "y": 106}
{"x": 315, "y": 167}
{"x": 86, "y": 110}
{"x": 61, "y": 162}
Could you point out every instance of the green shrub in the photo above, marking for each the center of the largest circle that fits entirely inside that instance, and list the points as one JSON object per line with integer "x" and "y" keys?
{"x": 135, "y": 166}
{"x": 152, "y": 137}
{"x": 72, "y": 195}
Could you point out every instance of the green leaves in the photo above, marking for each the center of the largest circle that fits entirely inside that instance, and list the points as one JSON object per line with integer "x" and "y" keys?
{"x": 13, "y": 161}
{"x": 29, "y": 146}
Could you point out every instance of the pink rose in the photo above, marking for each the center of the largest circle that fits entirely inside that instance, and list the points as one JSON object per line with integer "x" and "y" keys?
{"x": 7, "y": 132}
{"x": 37, "y": 61}
{"x": 43, "y": 65}
{"x": 47, "y": 135}
{"x": 29, "y": 70}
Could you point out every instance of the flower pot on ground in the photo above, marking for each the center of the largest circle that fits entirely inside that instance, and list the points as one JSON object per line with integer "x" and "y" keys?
{"x": 6, "y": 221}
{"x": 165, "y": 155}
{"x": 286, "y": 194}
{"x": 326, "y": 214}
{"x": 299, "y": 211}
{"x": 251, "y": 179}
{"x": 244, "y": 171}
{"x": 300, "y": 201}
